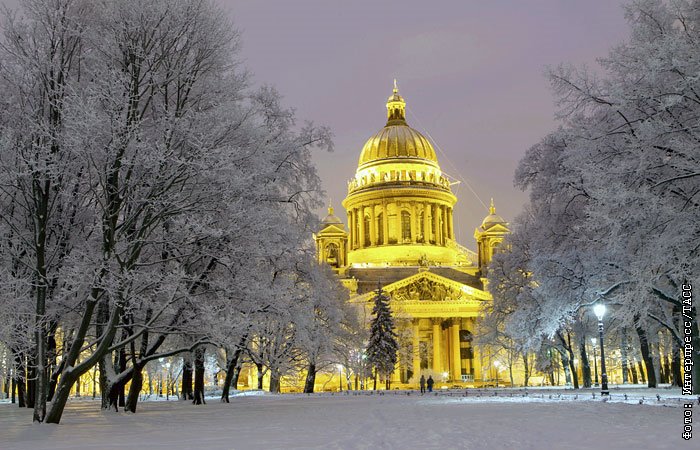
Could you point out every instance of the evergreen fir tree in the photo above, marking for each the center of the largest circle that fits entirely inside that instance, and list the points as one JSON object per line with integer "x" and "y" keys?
{"x": 382, "y": 347}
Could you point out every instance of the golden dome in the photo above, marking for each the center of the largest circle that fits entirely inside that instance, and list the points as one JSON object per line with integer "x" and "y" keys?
{"x": 396, "y": 139}
{"x": 492, "y": 219}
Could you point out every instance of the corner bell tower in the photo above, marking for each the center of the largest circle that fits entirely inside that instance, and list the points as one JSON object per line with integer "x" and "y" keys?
{"x": 332, "y": 242}
{"x": 489, "y": 236}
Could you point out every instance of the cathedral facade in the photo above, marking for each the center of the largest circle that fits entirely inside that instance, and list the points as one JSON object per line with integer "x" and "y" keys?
{"x": 400, "y": 235}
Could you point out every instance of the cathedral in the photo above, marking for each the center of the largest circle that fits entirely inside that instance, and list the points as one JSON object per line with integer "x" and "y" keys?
{"x": 400, "y": 235}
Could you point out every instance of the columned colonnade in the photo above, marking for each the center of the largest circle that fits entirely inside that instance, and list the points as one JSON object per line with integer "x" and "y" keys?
{"x": 436, "y": 228}
{"x": 443, "y": 335}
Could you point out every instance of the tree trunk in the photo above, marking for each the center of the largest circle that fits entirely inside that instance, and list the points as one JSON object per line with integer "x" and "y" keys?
{"x": 31, "y": 381}
{"x": 121, "y": 367}
{"x": 112, "y": 394}
{"x": 186, "y": 379}
{"x": 94, "y": 383}
{"x": 51, "y": 355}
{"x": 567, "y": 359}
{"x": 646, "y": 355}
{"x": 275, "y": 378}
{"x": 656, "y": 358}
{"x": 199, "y": 376}
{"x": 565, "y": 362}
{"x": 105, "y": 361}
{"x": 310, "y": 379}
{"x": 633, "y": 369}
{"x": 259, "y": 366}
{"x": 7, "y": 381}
{"x": 134, "y": 389}
{"x": 230, "y": 371}
{"x": 61, "y": 396}
{"x": 676, "y": 378}
{"x": 667, "y": 369}
{"x": 236, "y": 375}
{"x": 20, "y": 378}
{"x": 585, "y": 364}
{"x": 642, "y": 375}
{"x": 624, "y": 356}
{"x": 72, "y": 371}
{"x": 526, "y": 365}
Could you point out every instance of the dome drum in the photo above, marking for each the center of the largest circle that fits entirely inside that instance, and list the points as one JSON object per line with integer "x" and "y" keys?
{"x": 417, "y": 175}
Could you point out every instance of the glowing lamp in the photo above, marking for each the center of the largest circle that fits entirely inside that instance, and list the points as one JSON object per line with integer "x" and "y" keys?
{"x": 599, "y": 310}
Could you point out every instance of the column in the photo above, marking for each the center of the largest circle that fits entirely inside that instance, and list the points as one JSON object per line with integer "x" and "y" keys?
{"x": 450, "y": 225}
{"x": 361, "y": 238}
{"x": 355, "y": 228}
{"x": 437, "y": 358}
{"x": 436, "y": 224}
{"x": 444, "y": 223}
{"x": 476, "y": 362}
{"x": 385, "y": 224}
{"x": 426, "y": 224}
{"x": 414, "y": 223}
{"x": 456, "y": 360}
{"x": 351, "y": 229}
{"x": 416, "y": 350}
{"x": 372, "y": 226}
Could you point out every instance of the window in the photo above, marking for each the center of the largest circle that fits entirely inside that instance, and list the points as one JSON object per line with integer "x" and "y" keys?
{"x": 332, "y": 254}
{"x": 405, "y": 226}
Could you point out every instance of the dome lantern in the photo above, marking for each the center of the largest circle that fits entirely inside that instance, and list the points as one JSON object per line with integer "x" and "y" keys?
{"x": 397, "y": 140}
{"x": 396, "y": 108}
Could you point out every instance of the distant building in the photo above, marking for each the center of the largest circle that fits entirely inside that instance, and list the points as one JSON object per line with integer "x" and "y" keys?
{"x": 400, "y": 234}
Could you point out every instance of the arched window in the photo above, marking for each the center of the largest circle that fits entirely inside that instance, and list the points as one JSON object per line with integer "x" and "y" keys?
{"x": 380, "y": 229}
{"x": 405, "y": 226}
{"x": 366, "y": 238}
{"x": 332, "y": 254}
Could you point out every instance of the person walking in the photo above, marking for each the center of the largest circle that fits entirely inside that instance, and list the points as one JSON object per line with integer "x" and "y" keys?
{"x": 430, "y": 383}
{"x": 422, "y": 384}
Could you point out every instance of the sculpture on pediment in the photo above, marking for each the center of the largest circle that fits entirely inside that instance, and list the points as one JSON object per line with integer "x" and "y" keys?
{"x": 426, "y": 290}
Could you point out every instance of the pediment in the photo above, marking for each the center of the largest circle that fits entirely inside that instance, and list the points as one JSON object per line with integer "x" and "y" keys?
{"x": 332, "y": 230}
{"x": 496, "y": 228}
{"x": 429, "y": 287}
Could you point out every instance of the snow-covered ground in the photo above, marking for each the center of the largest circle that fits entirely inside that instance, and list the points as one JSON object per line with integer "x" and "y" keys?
{"x": 536, "y": 419}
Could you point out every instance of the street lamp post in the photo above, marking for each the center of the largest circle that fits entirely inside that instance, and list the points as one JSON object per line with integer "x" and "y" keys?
{"x": 595, "y": 361}
{"x": 599, "y": 310}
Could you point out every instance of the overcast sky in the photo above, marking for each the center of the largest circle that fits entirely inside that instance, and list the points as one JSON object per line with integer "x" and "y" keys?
{"x": 471, "y": 72}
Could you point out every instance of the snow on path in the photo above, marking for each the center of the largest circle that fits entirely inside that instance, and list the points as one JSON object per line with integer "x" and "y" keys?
{"x": 356, "y": 422}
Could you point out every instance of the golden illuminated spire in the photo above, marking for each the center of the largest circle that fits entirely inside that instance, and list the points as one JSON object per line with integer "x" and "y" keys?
{"x": 492, "y": 209}
{"x": 396, "y": 108}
